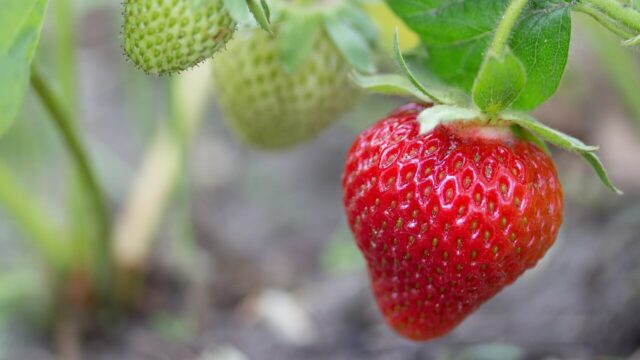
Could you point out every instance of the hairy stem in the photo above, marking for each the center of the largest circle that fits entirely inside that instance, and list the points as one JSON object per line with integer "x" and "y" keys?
{"x": 617, "y": 11}
{"x": 503, "y": 31}
{"x": 605, "y": 21}
{"x": 65, "y": 51}
{"x": 64, "y": 123}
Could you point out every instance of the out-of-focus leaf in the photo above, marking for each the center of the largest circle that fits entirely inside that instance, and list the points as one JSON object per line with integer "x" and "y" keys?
{"x": 296, "y": 39}
{"x": 351, "y": 43}
{"x": 20, "y": 24}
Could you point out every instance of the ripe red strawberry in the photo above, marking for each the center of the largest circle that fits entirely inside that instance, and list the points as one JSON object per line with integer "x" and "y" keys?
{"x": 448, "y": 218}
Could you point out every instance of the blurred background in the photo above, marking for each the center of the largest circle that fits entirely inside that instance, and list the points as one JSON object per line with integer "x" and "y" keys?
{"x": 252, "y": 257}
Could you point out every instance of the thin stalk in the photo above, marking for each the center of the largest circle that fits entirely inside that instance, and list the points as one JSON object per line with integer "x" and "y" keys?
{"x": 605, "y": 21}
{"x": 617, "y": 11}
{"x": 503, "y": 31}
{"x": 64, "y": 123}
{"x": 66, "y": 51}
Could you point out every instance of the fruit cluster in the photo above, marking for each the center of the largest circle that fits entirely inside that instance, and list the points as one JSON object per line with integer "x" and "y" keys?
{"x": 450, "y": 199}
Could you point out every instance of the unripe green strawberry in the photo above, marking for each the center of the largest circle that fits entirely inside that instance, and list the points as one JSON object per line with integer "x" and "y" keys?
{"x": 279, "y": 91}
{"x": 166, "y": 36}
{"x": 270, "y": 108}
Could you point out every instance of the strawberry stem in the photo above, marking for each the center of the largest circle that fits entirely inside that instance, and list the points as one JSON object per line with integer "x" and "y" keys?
{"x": 604, "y": 20}
{"x": 65, "y": 125}
{"x": 503, "y": 31}
{"x": 626, "y": 15}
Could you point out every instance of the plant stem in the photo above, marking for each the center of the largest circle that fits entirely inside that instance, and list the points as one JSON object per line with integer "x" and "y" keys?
{"x": 66, "y": 52}
{"x": 605, "y": 21}
{"x": 617, "y": 11}
{"x": 503, "y": 31}
{"x": 64, "y": 123}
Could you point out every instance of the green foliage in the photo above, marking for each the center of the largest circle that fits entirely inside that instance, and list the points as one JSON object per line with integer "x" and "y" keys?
{"x": 345, "y": 24}
{"x": 563, "y": 141}
{"x": 500, "y": 80}
{"x": 19, "y": 34}
{"x": 238, "y": 9}
{"x": 261, "y": 13}
{"x": 509, "y": 55}
{"x": 390, "y": 84}
{"x": 541, "y": 42}
{"x": 351, "y": 43}
{"x": 296, "y": 39}
{"x": 458, "y": 33}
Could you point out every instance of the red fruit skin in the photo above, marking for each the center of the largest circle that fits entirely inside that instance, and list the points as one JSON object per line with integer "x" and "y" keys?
{"x": 446, "y": 219}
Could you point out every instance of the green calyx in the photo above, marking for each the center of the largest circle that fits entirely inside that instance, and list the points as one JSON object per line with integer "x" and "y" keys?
{"x": 240, "y": 11}
{"x": 489, "y": 103}
{"x": 345, "y": 23}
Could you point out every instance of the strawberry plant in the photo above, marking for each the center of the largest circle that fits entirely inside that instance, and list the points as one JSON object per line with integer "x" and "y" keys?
{"x": 450, "y": 198}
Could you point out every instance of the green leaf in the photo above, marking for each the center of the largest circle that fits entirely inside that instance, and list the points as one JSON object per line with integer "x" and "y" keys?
{"x": 296, "y": 39}
{"x": 351, "y": 43}
{"x": 450, "y": 94}
{"x": 261, "y": 13}
{"x": 238, "y": 9}
{"x": 500, "y": 80}
{"x": 551, "y": 135}
{"x": 541, "y": 42}
{"x": 265, "y": 8}
{"x": 438, "y": 114}
{"x": 390, "y": 84}
{"x": 457, "y": 34}
{"x": 407, "y": 72}
{"x": 632, "y": 42}
{"x": 525, "y": 134}
{"x": 360, "y": 20}
{"x": 19, "y": 34}
{"x": 597, "y": 165}
{"x": 563, "y": 141}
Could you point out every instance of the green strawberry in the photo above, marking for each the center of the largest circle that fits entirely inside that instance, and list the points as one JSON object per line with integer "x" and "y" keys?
{"x": 166, "y": 36}
{"x": 280, "y": 91}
